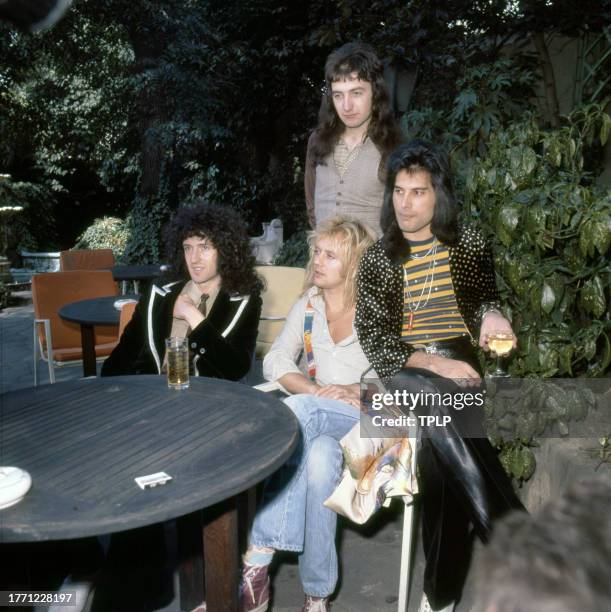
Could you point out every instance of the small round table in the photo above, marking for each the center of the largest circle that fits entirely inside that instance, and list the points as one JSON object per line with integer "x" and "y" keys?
{"x": 136, "y": 273}
{"x": 84, "y": 442}
{"x": 88, "y": 314}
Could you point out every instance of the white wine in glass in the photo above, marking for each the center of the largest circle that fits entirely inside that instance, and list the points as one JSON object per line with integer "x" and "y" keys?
{"x": 500, "y": 343}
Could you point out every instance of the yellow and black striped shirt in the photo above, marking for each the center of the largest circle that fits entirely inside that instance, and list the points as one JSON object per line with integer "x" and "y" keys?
{"x": 436, "y": 316}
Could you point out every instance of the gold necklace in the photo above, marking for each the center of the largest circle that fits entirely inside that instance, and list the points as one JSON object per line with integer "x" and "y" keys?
{"x": 411, "y": 303}
{"x": 430, "y": 250}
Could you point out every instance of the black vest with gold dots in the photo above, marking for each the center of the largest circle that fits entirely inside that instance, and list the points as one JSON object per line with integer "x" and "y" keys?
{"x": 380, "y": 303}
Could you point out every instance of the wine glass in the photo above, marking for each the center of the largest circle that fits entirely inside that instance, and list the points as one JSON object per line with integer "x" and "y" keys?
{"x": 500, "y": 343}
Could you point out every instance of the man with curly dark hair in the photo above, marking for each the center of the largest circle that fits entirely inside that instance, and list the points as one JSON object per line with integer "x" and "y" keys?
{"x": 347, "y": 152}
{"x": 215, "y": 302}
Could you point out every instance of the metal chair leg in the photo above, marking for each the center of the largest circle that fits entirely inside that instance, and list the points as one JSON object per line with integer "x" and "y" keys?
{"x": 34, "y": 353}
{"x": 406, "y": 552}
{"x": 406, "y": 540}
{"x": 47, "y": 325}
{"x": 38, "y": 347}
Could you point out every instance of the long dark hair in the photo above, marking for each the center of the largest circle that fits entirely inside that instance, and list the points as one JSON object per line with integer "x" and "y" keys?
{"x": 227, "y": 232}
{"x": 383, "y": 129}
{"x": 416, "y": 156}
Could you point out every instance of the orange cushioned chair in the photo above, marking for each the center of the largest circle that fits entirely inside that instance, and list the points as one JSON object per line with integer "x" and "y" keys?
{"x": 127, "y": 312}
{"x": 85, "y": 259}
{"x": 59, "y": 341}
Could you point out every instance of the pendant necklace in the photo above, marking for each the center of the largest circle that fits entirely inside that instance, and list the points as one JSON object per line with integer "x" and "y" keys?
{"x": 411, "y": 303}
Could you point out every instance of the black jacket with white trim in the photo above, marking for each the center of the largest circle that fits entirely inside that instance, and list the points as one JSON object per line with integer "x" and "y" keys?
{"x": 221, "y": 346}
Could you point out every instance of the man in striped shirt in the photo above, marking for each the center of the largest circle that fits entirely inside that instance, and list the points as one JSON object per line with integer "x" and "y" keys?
{"x": 426, "y": 297}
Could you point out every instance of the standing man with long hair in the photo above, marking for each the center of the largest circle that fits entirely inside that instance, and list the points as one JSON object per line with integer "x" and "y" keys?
{"x": 356, "y": 131}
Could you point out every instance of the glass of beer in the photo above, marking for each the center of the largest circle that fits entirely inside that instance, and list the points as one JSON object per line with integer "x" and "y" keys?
{"x": 177, "y": 353}
{"x": 500, "y": 343}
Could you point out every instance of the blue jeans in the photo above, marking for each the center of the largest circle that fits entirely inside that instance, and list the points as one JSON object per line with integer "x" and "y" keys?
{"x": 292, "y": 516}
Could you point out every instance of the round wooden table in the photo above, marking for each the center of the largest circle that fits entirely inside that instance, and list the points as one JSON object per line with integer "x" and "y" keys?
{"x": 84, "y": 442}
{"x": 88, "y": 314}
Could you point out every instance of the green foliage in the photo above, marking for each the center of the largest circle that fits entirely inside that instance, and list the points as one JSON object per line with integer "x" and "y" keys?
{"x": 237, "y": 89}
{"x": 20, "y": 228}
{"x": 518, "y": 412}
{"x": 535, "y": 406}
{"x": 489, "y": 95}
{"x": 105, "y": 233}
{"x": 294, "y": 251}
{"x": 603, "y": 453}
{"x": 551, "y": 230}
{"x": 143, "y": 227}
{"x": 131, "y": 99}
{"x": 63, "y": 117}
{"x": 518, "y": 460}
{"x": 428, "y": 124}
{"x": 550, "y": 227}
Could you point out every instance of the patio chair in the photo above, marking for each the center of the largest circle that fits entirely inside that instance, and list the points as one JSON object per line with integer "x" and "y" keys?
{"x": 56, "y": 341}
{"x": 408, "y": 514}
{"x": 284, "y": 286}
{"x": 86, "y": 259}
{"x": 127, "y": 312}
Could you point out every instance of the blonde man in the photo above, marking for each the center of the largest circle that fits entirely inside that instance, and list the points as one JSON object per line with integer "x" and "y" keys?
{"x": 326, "y": 402}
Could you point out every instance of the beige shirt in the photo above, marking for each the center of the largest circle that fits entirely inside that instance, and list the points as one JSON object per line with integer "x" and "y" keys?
{"x": 348, "y": 184}
{"x": 180, "y": 327}
{"x": 339, "y": 364}
{"x": 343, "y": 155}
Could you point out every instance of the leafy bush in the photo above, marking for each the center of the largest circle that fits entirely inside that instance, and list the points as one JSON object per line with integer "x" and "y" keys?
{"x": 144, "y": 227}
{"x": 105, "y": 233}
{"x": 33, "y": 226}
{"x": 490, "y": 95}
{"x": 550, "y": 227}
{"x": 294, "y": 251}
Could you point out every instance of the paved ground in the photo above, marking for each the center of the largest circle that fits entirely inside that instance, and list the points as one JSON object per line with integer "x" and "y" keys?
{"x": 370, "y": 555}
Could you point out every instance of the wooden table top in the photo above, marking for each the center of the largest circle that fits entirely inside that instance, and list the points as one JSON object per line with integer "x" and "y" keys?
{"x": 83, "y": 442}
{"x": 95, "y": 311}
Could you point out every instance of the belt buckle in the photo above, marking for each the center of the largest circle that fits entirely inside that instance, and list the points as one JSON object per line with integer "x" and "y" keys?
{"x": 429, "y": 349}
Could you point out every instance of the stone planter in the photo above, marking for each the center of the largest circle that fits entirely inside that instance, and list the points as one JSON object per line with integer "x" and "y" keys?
{"x": 268, "y": 244}
{"x": 559, "y": 462}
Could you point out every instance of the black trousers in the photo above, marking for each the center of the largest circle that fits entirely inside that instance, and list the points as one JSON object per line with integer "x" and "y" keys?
{"x": 463, "y": 486}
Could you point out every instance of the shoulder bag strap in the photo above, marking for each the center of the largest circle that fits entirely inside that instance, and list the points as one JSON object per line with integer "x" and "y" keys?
{"x": 308, "y": 322}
